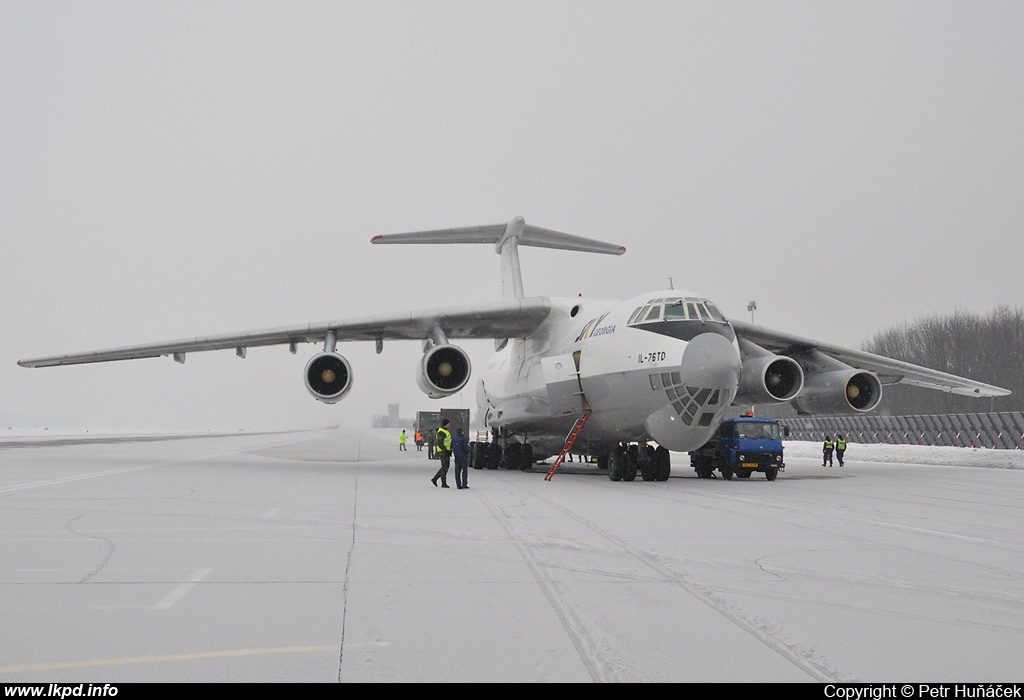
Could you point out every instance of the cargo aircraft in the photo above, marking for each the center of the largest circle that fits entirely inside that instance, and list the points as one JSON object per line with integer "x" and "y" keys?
{"x": 625, "y": 380}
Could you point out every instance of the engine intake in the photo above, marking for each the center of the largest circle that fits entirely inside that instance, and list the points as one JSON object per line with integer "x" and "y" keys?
{"x": 443, "y": 371}
{"x": 839, "y": 392}
{"x": 769, "y": 379}
{"x": 328, "y": 377}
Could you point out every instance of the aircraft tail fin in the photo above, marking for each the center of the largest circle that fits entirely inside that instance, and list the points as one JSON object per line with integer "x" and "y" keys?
{"x": 506, "y": 239}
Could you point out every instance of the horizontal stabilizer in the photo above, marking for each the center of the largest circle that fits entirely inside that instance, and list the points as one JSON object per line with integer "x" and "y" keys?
{"x": 506, "y": 239}
{"x": 495, "y": 233}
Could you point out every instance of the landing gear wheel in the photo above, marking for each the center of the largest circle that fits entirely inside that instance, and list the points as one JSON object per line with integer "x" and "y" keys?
{"x": 493, "y": 455}
{"x": 616, "y": 464}
{"x": 743, "y": 474}
{"x": 649, "y": 467}
{"x": 726, "y": 472}
{"x": 477, "y": 454}
{"x": 664, "y": 461}
{"x": 771, "y": 473}
{"x": 526, "y": 458}
{"x": 629, "y": 473}
{"x": 513, "y": 451}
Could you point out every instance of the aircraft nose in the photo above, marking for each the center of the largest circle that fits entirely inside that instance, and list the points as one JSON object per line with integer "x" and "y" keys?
{"x": 711, "y": 360}
{"x": 705, "y": 384}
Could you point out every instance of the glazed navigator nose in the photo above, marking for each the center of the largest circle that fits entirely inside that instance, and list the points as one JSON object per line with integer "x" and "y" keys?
{"x": 697, "y": 393}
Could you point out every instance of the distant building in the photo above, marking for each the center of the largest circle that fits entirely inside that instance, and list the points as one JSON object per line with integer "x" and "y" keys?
{"x": 391, "y": 419}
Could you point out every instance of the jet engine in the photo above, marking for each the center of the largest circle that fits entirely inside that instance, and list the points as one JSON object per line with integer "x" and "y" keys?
{"x": 328, "y": 377}
{"x": 844, "y": 391}
{"x": 769, "y": 378}
{"x": 443, "y": 371}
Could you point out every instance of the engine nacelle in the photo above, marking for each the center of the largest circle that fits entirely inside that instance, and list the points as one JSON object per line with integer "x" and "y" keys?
{"x": 328, "y": 377}
{"x": 443, "y": 371}
{"x": 839, "y": 392}
{"x": 769, "y": 379}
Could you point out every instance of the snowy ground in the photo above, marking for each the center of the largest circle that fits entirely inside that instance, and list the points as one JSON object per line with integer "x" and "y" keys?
{"x": 329, "y": 556}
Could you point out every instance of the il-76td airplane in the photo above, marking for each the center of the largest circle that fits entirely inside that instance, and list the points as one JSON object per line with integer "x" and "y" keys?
{"x": 664, "y": 366}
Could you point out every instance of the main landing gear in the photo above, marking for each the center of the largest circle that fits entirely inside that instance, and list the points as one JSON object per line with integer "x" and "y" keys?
{"x": 625, "y": 461}
{"x": 490, "y": 455}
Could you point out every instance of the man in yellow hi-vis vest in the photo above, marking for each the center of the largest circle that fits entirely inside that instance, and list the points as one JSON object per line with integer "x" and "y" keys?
{"x": 444, "y": 453}
{"x": 840, "y": 448}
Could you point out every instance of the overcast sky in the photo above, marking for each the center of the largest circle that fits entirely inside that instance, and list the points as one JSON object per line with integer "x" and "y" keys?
{"x": 173, "y": 169}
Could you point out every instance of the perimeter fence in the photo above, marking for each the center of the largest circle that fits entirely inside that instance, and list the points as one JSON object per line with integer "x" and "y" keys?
{"x": 1004, "y": 431}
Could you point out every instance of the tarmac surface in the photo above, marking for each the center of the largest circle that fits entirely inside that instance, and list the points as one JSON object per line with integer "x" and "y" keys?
{"x": 328, "y": 556}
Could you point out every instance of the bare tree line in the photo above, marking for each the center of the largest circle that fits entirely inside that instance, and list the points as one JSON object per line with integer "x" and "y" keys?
{"x": 989, "y": 349}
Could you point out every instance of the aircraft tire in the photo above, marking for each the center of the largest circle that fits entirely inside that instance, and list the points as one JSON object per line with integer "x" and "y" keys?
{"x": 650, "y": 468}
{"x": 664, "y": 461}
{"x": 493, "y": 455}
{"x": 526, "y": 459}
{"x": 616, "y": 464}
{"x": 477, "y": 454}
{"x": 629, "y": 467}
{"x": 742, "y": 474}
{"x": 513, "y": 453}
{"x": 726, "y": 472}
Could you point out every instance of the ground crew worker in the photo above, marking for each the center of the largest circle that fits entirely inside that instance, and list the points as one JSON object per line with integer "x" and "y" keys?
{"x": 840, "y": 448}
{"x": 826, "y": 451}
{"x": 401, "y": 442}
{"x": 419, "y": 441}
{"x": 444, "y": 453}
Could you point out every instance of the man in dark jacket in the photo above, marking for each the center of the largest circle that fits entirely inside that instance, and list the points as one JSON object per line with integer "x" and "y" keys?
{"x": 460, "y": 451}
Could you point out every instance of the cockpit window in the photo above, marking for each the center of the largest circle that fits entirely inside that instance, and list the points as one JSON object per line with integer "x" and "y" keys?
{"x": 677, "y": 309}
{"x": 674, "y": 310}
{"x": 715, "y": 313}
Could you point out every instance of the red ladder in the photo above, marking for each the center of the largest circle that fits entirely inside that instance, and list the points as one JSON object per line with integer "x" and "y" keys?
{"x": 577, "y": 428}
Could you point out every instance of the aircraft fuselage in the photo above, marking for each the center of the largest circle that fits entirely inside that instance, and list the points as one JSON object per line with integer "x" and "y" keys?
{"x": 654, "y": 367}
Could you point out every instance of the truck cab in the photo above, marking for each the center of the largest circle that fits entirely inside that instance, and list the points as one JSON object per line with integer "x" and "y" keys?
{"x": 740, "y": 447}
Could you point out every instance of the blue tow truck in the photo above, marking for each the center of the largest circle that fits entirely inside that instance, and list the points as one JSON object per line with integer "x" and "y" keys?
{"x": 740, "y": 447}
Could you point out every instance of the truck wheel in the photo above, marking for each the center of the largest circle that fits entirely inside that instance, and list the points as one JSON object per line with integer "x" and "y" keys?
{"x": 616, "y": 464}
{"x": 726, "y": 472}
{"x": 771, "y": 473}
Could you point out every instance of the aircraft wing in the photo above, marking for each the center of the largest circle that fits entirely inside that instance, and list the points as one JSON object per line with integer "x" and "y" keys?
{"x": 889, "y": 371}
{"x": 504, "y": 319}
